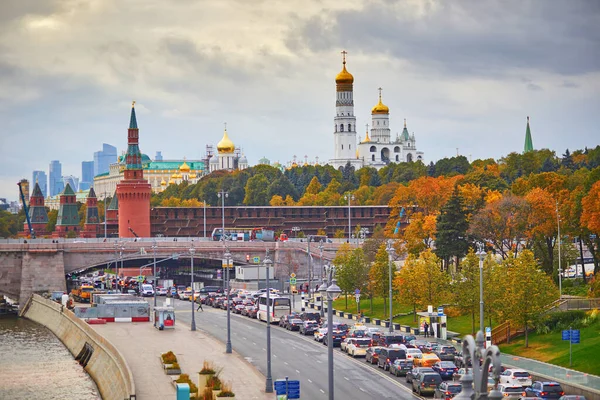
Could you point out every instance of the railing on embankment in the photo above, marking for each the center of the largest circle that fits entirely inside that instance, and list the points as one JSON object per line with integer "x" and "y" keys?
{"x": 100, "y": 358}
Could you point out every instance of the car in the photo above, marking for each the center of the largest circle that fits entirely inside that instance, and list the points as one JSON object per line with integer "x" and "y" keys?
{"x": 293, "y": 324}
{"x": 388, "y": 355}
{"x": 572, "y": 397}
{"x": 419, "y": 344}
{"x": 386, "y": 339}
{"x": 446, "y": 353}
{"x": 283, "y": 321}
{"x": 413, "y": 354}
{"x": 426, "y": 360}
{"x": 372, "y": 354}
{"x": 513, "y": 377}
{"x": 357, "y": 331}
{"x": 211, "y": 289}
{"x": 446, "y": 369}
{"x": 545, "y": 390}
{"x": 373, "y": 331}
{"x": 309, "y": 327}
{"x": 319, "y": 334}
{"x": 400, "y": 367}
{"x": 161, "y": 291}
{"x": 344, "y": 344}
{"x": 426, "y": 382}
{"x": 253, "y": 312}
{"x": 511, "y": 391}
{"x": 185, "y": 295}
{"x": 459, "y": 374}
{"x": 447, "y": 390}
{"x": 147, "y": 290}
{"x": 357, "y": 347}
{"x": 413, "y": 372}
{"x": 310, "y": 316}
{"x": 238, "y": 308}
{"x": 432, "y": 347}
{"x": 336, "y": 338}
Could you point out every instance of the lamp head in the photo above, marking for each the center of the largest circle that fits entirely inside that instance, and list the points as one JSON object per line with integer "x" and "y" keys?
{"x": 192, "y": 251}
{"x": 323, "y": 289}
{"x": 333, "y": 291}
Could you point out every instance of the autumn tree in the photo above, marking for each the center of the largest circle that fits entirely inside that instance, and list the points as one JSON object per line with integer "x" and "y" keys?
{"x": 256, "y": 191}
{"x": 434, "y": 281}
{"x": 466, "y": 287}
{"x": 451, "y": 237}
{"x": 379, "y": 276}
{"x": 354, "y": 273}
{"x": 407, "y": 284}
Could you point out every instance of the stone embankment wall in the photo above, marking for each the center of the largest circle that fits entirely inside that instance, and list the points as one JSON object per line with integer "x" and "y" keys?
{"x": 105, "y": 364}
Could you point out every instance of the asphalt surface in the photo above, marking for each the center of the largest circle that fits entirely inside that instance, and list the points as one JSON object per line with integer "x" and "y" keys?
{"x": 298, "y": 357}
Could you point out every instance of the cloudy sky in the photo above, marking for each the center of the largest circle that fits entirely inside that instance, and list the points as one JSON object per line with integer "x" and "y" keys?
{"x": 465, "y": 74}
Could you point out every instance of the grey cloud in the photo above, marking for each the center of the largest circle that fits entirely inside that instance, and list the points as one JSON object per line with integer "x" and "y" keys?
{"x": 533, "y": 87}
{"x": 569, "y": 84}
{"x": 468, "y": 37}
{"x": 14, "y": 9}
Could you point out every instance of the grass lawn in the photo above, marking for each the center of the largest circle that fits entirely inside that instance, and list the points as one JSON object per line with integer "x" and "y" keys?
{"x": 551, "y": 349}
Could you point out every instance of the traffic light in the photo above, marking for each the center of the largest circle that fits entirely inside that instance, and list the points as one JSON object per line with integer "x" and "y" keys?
{"x": 247, "y": 257}
{"x": 293, "y": 289}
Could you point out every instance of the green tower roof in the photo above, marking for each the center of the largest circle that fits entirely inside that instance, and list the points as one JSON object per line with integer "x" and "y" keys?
{"x": 37, "y": 192}
{"x": 132, "y": 119}
{"x": 528, "y": 141}
{"x": 114, "y": 203}
{"x": 67, "y": 213}
{"x": 404, "y": 136}
{"x": 68, "y": 191}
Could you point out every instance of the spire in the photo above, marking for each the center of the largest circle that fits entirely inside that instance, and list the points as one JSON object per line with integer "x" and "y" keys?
{"x": 92, "y": 193}
{"x": 68, "y": 191}
{"x": 404, "y": 136}
{"x": 367, "y": 138}
{"x": 133, "y": 120}
{"x": 114, "y": 202}
{"x": 404, "y": 123}
{"x": 37, "y": 192}
{"x": 528, "y": 142}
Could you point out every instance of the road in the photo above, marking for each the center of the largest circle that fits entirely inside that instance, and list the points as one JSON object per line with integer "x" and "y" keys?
{"x": 298, "y": 357}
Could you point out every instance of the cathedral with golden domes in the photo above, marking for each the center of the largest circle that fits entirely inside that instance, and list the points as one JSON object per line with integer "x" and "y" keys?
{"x": 377, "y": 149}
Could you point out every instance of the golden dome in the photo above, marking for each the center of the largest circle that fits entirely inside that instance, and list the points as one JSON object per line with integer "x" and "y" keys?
{"x": 192, "y": 176}
{"x": 171, "y": 181}
{"x": 184, "y": 167}
{"x": 344, "y": 77}
{"x": 367, "y": 138}
{"x": 225, "y": 145}
{"x": 357, "y": 153}
{"x": 380, "y": 108}
{"x": 163, "y": 183}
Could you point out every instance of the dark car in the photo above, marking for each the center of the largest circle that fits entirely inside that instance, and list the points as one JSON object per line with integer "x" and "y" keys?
{"x": 388, "y": 356}
{"x": 446, "y": 353}
{"x": 419, "y": 344}
{"x": 446, "y": 369}
{"x": 387, "y": 339}
{"x": 413, "y": 372}
{"x": 545, "y": 390}
{"x": 336, "y": 336}
{"x": 310, "y": 316}
{"x": 400, "y": 367}
{"x": 309, "y": 327}
{"x": 447, "y": 390}
{"x": 426, "y": 382}
{"x": 252, "y": 312}
{"x": 373, "y": 354}
{"x": 283, "y": 321}
{"x": 211, "y": 289}
{"x": 294, "y": 324}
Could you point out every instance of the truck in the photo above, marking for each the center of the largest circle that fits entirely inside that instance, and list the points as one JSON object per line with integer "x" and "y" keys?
{"x": 262, "y": 235}
{"x": 82, "y": 293}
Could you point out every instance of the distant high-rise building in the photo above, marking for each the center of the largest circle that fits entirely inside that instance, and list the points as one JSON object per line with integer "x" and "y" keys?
{"x": 158, "y": 156}
{"x": 56, "y": 182}
{"x": 103, "y": 158}
{"x": 42, "y": 179}
{"x": 24, "y": 183}
{"x": 73, "y": 181}
{"x": 87, "y": 175}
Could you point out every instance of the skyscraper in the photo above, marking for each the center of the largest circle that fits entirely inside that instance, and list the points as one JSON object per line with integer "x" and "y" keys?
{"x": 158, "y": 156}
{"x": 103, "y": 158}
{"x": 73, "y": 181}
{"x": 87, "y": 175}
{"x": 56, "y": 183}
{"x": 42, "y": 179}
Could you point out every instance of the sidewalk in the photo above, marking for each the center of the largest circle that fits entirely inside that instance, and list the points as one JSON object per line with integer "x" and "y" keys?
{"x": 141, "y": 344}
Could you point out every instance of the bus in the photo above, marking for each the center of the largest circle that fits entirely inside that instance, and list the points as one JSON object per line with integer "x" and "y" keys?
{"x": 279, "y": 306}
{"x": 235, "y": 234}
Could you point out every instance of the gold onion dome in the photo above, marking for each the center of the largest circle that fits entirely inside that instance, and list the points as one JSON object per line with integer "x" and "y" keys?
{"x": 192, "y": 176}
{"x": 380, "y": 108}
{"x": 163, "y": 183}
{"x": 225, "y": 145}
{"x": 184, "y": 167}
{"x": 344, "y": 76}
{"x": 171, "y": 181}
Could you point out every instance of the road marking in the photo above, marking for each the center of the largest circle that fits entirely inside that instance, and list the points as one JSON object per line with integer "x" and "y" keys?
{"x": 346, "y": 378}
{"x": 244, "y": 338}
{"x": 297, "y": 371}
{"x": 264, "y": 349}
{"x": 254, "y": 343}
{"x": 285, "y": 362}
{"x": 322, "y": 391}
{"x": 362, "y": 390}
{"x": 306, "y": 354}
{"x": 309, "y": 381}
{"x": 319, "y": 361}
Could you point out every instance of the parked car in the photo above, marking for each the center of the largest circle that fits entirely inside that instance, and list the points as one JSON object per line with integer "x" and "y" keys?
{"x": 400, "y": 367}
{"x": 309, "y": 327}
{"x": 415, "y": 371}
{"x": 511, "y": 391}
{"x": 358, "y": 347}
{"x": 319, "y": 334}
{"x": 388, "y": 355}
{"x": 294, "y": 324}
{"x": 514, "y": 377}
{"x": 446, "y": 369}
{"x": 372, "y": 354}
{"x": 545, "y": 390}
{"x": 447, "y": 390}
{"x": 336, "y": 337}
{"x": 426, "y": 382}
{"x": 446, "y": 353}
{"x": 386, "y": 339}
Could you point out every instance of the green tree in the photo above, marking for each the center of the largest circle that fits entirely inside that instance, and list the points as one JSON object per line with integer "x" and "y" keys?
{"x": 407, "y": 284}
{"x": 52, "y": 217}
{"x": 466, "y": 286}
{"x": 434, "y": 281}
{"x": 256, "y": 191}
{"x": 451, "y": 237}
{"x": 379, "y": 276}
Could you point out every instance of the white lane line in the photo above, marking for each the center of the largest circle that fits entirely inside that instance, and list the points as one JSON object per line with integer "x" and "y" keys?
{"x": 264, "y": 349}
{"x": 235, "y": 333}
{"x": 319, "y": 362}
{"x": 275, "y": 355}
{"x": 306, "y": 354}
{"x": 362, "y": 390}
{"x": 322, "y": 391}
{"x": 346, "y": 378}
{"x": 254, "y": 343}
{"x": 309, "y": 381}
{"x": 286, "y": 363}
{"x": 244, "y": 338}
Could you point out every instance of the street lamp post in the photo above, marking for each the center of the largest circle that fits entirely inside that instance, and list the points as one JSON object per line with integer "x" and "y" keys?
{"x": 481, "y": 254}
{"x": 269, "y": 382}
{"x": 192, "y": 252}
{"x": 121, "y": 254}
{"x": 223, "y": 195}
{"x": 349, "y": 197}
{"x": 391, "y": 252}
{"x": 154, "y": 254}
{"x": 105, "y": 205}
{"x": 227, "y": 256}
{"x": 204, "y": 215}
{"x": 475, "y": 385}
{"x": 559, "y": 261}
{"x": 332, "y": 291}
{"x": 321, "y": 259}
{"x": 116, "y": 265}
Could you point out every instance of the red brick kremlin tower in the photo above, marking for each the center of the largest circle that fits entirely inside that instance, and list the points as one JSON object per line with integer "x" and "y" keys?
{"x": 90, "y": 229}
{"x": 133, "y": 192}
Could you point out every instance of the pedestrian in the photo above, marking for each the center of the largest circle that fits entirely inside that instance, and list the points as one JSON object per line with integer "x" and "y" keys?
{"x": 362, "y": 317}
{"x": 426, "y": 328}
{"x": 199, "y": 306}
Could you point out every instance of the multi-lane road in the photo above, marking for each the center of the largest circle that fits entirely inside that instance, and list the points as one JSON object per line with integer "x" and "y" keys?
{"x": 298, "y": 357}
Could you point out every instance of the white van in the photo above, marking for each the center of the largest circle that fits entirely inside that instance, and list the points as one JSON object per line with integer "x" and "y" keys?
{"x": 147, "y": 290}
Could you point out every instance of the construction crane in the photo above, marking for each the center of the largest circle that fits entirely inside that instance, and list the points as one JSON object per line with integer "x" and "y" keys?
{"x": 31, "y": 232}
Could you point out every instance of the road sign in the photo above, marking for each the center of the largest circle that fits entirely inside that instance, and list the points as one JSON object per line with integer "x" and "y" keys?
{"x": 140, "y": 278}
{"x": 293, "y": 289}
{"x": 226, "y": 265}
{"x": 440, "y": 311}
{"x": 256, "y": 260}
{"x": 292, "y": 275}
{"x": 291, "y": 388}
{"x": 357, "y": 291}
{"x": 566, "y": 334}
{"x": 575, "y": 337}
{"x": 292, "y": 281}
{"x": 357, "y": 296}
{"x": 488, "y": 329}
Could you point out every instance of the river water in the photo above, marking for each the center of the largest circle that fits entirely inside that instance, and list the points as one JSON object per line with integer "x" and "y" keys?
{"x": 34, "y": 364}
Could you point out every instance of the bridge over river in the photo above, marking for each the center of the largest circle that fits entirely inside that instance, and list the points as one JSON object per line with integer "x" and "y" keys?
{"x": 40, "y": 265}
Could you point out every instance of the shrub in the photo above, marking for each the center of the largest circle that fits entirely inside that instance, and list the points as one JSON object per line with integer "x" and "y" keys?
{"x": 185, "y": 378}
{"x": 207, "y": 368}
{"x": 207, "y": 394}
{"x": 174, "y": 365}
{"x": 214, "y": 382}
{"x": 452, "y": 312}
{"x": 226, "y": 391}
{"x": 169, "y": 358}
{"x": 562, "y": 320}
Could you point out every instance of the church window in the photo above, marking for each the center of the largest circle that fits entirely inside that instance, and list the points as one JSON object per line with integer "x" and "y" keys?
{"x": 377, "y": 122}
{"x": 349, "y": 147}
{"x": 336, "y": 127}
{"x": 342, "y": 147}
{"x": 409, "y": 157}
{"x": 397, "y": 149}
{"x": 373, "y": 149}
{"x": 397, "y": 157}
{"x": 342, "y": 128}
{"x": 373, "y": 157}
{"x": 349, "y": 127}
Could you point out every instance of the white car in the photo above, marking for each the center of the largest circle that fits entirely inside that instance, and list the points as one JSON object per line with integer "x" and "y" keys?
{"x": 147, "y": 290}
{"x": 411, "y": 354}
{"x": 319, "y": 333}
{"x": 373, "y": 331}
{"x": 358, "y": 347}
{"x": 515, "y": 377}
{"x": 511, "y": 391}
{"x": 344, "y": 344}
{"x": 161, "y": 291}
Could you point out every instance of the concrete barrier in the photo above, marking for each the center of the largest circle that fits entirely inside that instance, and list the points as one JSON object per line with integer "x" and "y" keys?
{"x": 367, "y": 320}
{"x": 385, "y": 323}
{"x": 396, "y": 326}
{"x": 377, "y": 321}
{"x": 405, "y": 328}
{"x": 102, "y": 360}
{"x": 349, "y": 315}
